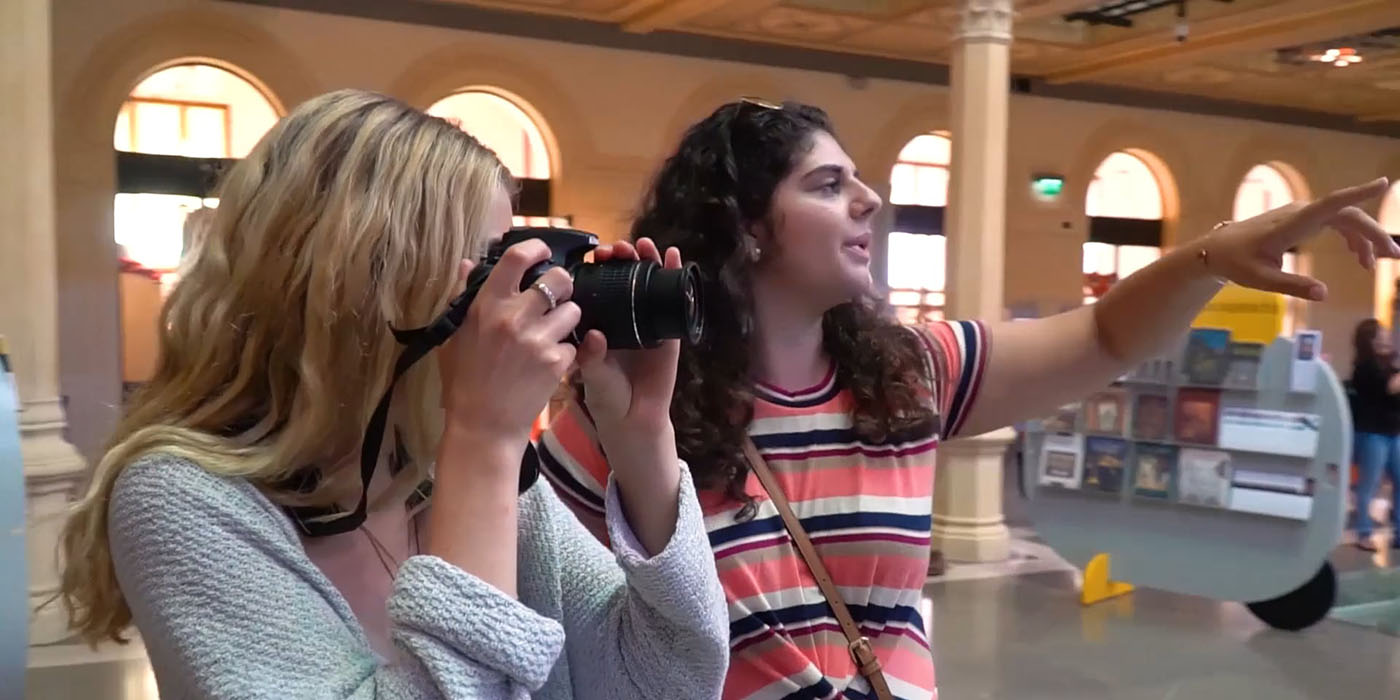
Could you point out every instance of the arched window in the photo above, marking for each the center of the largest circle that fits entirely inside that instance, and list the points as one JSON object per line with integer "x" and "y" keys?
{"x": 504, "y": 127}
{"x": 918, "y": 248}
{"x": 1388, "y": 269}
{"x": 1125, "y": 209}
{"x": 194, "y": 111}
{"x": 1266, "y": 187}
{"x": 1263, "y": 189}
{"x": 518, "y": 139}
{"x": 172, "y": 127}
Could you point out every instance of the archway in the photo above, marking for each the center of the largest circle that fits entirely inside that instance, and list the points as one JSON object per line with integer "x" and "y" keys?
{"x": 501, "y": 122}
{"x": 1125, "y": 205}
{"x": 917, "y": 247}
{"x": 175, "y": 120}
{"x": 507, "y": 125}
{"x": 1268, "y": 186}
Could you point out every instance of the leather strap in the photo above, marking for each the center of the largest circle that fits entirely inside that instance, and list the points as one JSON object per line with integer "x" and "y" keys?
{"x": 859, "y": 646}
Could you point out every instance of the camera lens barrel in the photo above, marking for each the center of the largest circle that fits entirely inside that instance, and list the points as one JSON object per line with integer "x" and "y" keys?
{"x": 638, "y": 304}
{"x": 670, "y": 303}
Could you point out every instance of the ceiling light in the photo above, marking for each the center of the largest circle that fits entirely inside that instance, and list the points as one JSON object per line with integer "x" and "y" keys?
{"x": 1340, "y": 57}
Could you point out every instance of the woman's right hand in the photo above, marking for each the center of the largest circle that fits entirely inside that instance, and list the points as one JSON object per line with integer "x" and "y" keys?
{"x": 501, "y": 367}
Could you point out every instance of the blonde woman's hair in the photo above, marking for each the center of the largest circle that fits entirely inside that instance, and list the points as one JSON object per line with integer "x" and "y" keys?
{"x": 349, "y": 217}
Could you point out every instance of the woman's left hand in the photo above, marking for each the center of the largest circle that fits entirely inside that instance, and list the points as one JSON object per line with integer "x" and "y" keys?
{"x": 628, "y": 395}
{"x": 1250, "y": 252}
{"x": 630, "y": 389}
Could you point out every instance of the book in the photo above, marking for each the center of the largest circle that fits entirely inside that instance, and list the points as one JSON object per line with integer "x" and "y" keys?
{"x": 1271, "y": 493}
{"x": 1203, "y": 477}
{"x": 1062, "y": 461}
{"x": 1158, "y": 370}
{"x": 1207, "y": 355}
{"x": 1243, "y": 372}
{"x": 1065, "y": 419}
{"x": 1150, "y": 371}
{"x": 1104, "y": 460}
{"x": 1106, "y": 412}
{"x": 1154, "y": 470}
{"x": 1150, "y": 413}
{"x": 1292, "y": 506}
{"x": 1307, "y": 346}
{"x": 1166, "y": 371}
{"x": 1295, "y": 484}
{"x": 1271, "y": 432}
{"x": 1198, "y": 416}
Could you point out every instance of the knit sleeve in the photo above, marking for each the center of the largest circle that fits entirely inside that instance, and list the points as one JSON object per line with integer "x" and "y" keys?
{"x": 572, "y": 460}
{"x": 229, "y": 606}
{"x": 643, "y": 627}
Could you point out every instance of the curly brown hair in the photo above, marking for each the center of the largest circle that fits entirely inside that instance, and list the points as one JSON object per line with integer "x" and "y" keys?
{"x": 707, "y": 194}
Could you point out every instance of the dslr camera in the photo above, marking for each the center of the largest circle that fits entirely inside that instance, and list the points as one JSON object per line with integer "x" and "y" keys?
{"x": 634, "y": 303}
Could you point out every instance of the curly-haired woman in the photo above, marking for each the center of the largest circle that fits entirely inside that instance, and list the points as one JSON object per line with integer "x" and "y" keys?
{"x": 847, "y": 406}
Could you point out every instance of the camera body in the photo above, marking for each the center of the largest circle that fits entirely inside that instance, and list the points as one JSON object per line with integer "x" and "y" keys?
{"x": 634, "y": 303}
{"x": 567, "y": 249}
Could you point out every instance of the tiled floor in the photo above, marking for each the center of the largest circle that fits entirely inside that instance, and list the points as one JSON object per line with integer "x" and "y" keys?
{"x": 1028, "y": 637}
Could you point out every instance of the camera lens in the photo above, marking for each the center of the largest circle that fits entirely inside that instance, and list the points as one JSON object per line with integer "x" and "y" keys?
{"x": 638, "y": 304}
{"x": 669, "y": 304}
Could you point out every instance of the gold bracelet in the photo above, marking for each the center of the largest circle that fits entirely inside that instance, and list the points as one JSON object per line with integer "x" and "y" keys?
{"x": 1204, "y": 255}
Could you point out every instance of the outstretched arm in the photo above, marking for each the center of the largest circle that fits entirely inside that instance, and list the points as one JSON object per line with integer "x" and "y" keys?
{"x": 1035, "y": 366}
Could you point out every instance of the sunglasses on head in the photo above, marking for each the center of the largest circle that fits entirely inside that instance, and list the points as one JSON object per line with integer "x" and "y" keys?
{"x": 759, "y": 102}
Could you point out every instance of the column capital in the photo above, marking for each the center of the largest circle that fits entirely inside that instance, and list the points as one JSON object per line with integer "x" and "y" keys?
{"x": 985, "y": 21}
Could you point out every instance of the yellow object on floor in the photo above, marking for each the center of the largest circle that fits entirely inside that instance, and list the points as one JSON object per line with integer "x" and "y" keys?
{"x": 1097, "y": 586}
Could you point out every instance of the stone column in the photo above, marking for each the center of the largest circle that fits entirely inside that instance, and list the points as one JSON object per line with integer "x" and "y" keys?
{"x": 29, "y": 293}
{"x": 967, "y": 514}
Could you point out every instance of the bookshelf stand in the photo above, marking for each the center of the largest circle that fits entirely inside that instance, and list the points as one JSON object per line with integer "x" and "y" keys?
{"x": 1276, "y": 563}
{"x": 14, "y": 581}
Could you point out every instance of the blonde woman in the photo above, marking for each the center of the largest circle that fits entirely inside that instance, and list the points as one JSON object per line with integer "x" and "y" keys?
{"x": 347, "y": 220}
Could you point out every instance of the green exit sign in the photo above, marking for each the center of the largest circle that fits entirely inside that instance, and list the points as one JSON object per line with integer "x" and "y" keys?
{"x": 1047, "y": 187}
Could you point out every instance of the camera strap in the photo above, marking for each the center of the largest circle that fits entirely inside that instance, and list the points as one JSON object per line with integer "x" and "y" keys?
{"x": 321, "y": 521}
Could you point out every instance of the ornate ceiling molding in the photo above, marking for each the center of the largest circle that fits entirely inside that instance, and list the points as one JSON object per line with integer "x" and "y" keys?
{"x": 985, "y": 21}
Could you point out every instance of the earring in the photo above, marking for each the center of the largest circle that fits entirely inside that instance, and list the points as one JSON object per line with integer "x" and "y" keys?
{"x": 757, "y": 253}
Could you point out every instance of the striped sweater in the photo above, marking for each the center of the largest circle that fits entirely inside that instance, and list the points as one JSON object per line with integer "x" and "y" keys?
{"x": 867, "y": 508}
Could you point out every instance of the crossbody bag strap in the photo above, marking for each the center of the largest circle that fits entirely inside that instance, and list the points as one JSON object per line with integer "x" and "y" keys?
{"x": 861, "y": 652}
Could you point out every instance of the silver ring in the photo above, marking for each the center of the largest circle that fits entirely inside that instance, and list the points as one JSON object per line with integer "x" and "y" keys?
{"x": 547, "y": 292}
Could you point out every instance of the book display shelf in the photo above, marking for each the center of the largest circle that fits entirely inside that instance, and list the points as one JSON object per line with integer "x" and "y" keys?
{"x": 1215, "y": 470}
{"x": 14, "y": 582}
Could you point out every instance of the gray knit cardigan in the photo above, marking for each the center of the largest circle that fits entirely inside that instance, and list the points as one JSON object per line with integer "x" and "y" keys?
{"x": 229, "y": 605}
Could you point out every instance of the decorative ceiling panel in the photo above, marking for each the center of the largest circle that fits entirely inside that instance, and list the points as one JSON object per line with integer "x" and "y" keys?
{"x": 1338, "y": 56}
{"x": 869, "y": 9}
{"x": 600, "y": 10}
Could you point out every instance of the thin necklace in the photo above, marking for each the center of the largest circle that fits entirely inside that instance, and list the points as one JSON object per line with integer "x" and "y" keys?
{"x": 396, "y": 464}
{"x": 386, "y": 559}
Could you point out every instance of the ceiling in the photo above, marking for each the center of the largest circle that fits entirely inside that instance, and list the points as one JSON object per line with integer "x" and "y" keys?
{"x": 1253, "y": 51}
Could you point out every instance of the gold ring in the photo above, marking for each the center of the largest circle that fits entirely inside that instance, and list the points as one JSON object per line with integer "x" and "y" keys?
{"x": 547, "y": 292}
